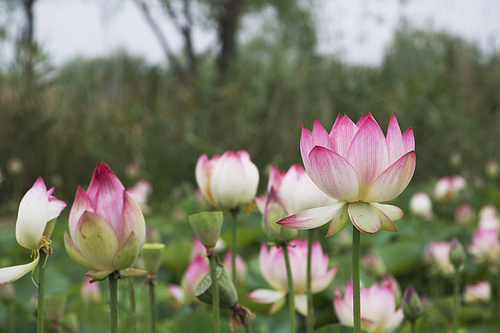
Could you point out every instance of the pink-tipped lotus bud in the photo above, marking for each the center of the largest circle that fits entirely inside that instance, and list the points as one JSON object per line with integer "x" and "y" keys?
{"x": 151, "y": 255}
{"x": 206, "y": 227}
{"x": 227, "y": 293}
{"x": 412, "y": 306}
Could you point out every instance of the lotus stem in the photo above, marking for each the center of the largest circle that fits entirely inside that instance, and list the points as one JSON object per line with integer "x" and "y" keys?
{"x": 11, "y": 313}
{"x": 248, "y": 327}
{"x": 356, "y": 236}
{"x": 234, "y": 212}
{"x": 113, "y": 303}
{"x": 310, "y": 317}
{"x": 291, "y": 294}
{"x": 413, "y": 326}
{"x": 456, "y": 295}
{"x": 215, "y": 293}
{"x": 133, "y": 318}
{"x": 41, "y": 292}
{"x": 152, "y": 305}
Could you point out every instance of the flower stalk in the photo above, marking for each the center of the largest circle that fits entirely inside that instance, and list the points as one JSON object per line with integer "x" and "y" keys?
{"x": 133, "y": 318}
{"x": 356, "y": 236}
{"x": 152, "y": 305}
{"x": 234, "y": 212}
{"x": 215, "y": 292}
{"x": 113, "y": 303}
{"x": 41, "y": 291}
{"x": 291, "y": 294}
{"x": 456, "y": 297}
{"x": 310, "y": 317}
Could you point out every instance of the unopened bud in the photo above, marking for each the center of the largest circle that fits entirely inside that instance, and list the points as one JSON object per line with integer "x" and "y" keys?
{"x": 412, "y": 306}
{"x": 227, "y": 293}
{"x": 457, "y": 253}
{"x": 206, "y": 227}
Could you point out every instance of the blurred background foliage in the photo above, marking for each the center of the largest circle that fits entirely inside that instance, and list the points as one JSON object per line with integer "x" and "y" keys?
{"x": 154, "y": 121}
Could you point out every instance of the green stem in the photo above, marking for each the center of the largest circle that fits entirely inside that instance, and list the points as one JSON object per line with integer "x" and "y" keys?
{"x": 233, "y": 246}
{"x": 413, "y": 326}
{"x": 152, "y": 305}
{"x": 456, "y": 294}
{"x": 11, "y": 313}
{"x": 291, "y": 294}
{"x": 133, "y": 329}
{"x": 215, "y": 293}
{"x": 41, "y": 292}
{"x": 356, "y": 293}
{"x": 113, "y": 303}
{"x": 310, "y": 317}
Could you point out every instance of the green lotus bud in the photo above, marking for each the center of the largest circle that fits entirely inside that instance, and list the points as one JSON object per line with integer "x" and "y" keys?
{"x": 227, "y": 293}
{"x": 151, "y": 255}
{"x": 54, "y": 307}
{"x": 274, "y": 212}
{"x": 457, "y": 253}
{"x": 206, "y": 227}
{"x": 412, "y": 306}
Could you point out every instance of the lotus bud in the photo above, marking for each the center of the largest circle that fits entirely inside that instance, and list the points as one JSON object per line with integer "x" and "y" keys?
{"x": 7, "y": 292}
{"x": 206, "y": 227}
{"x": 54, "y": 309}
{"x": 457, "y": 253}
{"x": 227, "y": 293}
{"x": 492, "y": 169}
{"x": 15, "y": 166}
{"x": 412, "y": 306}
{"x": 151, "y": 255}
{"x": 90, "y": 291}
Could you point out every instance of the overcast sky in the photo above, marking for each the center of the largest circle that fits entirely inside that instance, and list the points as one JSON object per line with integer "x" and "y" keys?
{"x": 356, "y": 30}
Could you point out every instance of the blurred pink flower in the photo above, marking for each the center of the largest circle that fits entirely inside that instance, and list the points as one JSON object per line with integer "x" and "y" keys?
{"x": 437, "y": 255}
{"x": 477, "y": 293}
{"x": 177, "y": 293}
{"x": 378, "y": 308}
{"x": 106, "y": 225}
{"x": 241, "y": 267}
{"x": 227, "y": 181}
{"x": 485, "y": 246}
{"x": 464, "y": 214}
{"x": 273, "y": 269}
{"x": 140, "y": 192}
{"x": 421, "y": 205}
{"x": 90, "y": 292}
{"x": 373, "y": 264}
{"x": 195, "y": 272}
{"x": 357, "y": 165}
{"x": 447, "y": 188}
{"x": 492, "y": 169}
{"x": 38, "y": 211}
{"x": 488, "y": 218}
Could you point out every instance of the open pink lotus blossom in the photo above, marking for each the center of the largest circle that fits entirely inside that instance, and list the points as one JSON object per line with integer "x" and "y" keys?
{"x": 477, "y": 293}
{"x": 378, "y": 308}
{"x": 360, "y": 167}
{"x": 227, "y": 181}
{"x": 288, "y": 193}
{"x": 106, "y": 225}
{"x": 36, "y": 218}
{"x": 437, "y": 255}
{"x": 273, "y": 269}
{"x": 447, "y": 188}
{"x": 241, "y": 267}
{"x": 485, "y": 246}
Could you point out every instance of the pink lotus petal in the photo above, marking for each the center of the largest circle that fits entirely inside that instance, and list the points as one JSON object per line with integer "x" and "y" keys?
{"x": 81, "y": 204}
{"x": 393, "y": 180}
{"x": 333, "y": 174}
{"x": 368, "y": 155}
{"x": 320, "y": 136}
{"x": 394, "y": 140}
{"x": 275, "y": 178}
{"x": 306, "y": 145}
{"x": 265, "y": 296}
{"x": 409, "y": 140}
{"x": 324, "y": 281}
{"x": 392, "y": 212}
{"x": 311, "y": 218}
{"x": 341, "y": 135}
{"x": 131, "y": 216}
{"x": 387, "y": 224}
{"x": 339, "y": 221}
{"x": 364, "y": 217}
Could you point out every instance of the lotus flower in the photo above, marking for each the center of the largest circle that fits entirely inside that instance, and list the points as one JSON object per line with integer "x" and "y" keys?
{"x": 140, "y": 192}
{"x": 437, "y": 254}
{"x": 227, "y": 181}
{"x": 464, "y": 214}
{"x": 378, "y": 308}
{"x": 488, "y": 218}
{"x": 485, "y": 246}
{"x": 241, "y": 267}
{"x": 288, "y": 193}
{"x": 106, "y": 225}
{"x": 273, "y": 269}
{"x": 447, "y": 188}
{"x": 421, "y": 205}
{"x": 90, "y": 292}
{"x": 477, "y": 293}
{"x": 37, "y": 215}
{"x": 195, "y": 272}
{"x": 356, "y": 165}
